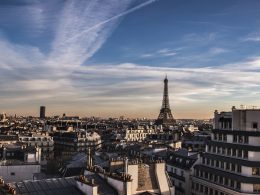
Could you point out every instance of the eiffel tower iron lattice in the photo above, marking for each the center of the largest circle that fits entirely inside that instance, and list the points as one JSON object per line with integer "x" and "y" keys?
{"x": 165, "y": 117}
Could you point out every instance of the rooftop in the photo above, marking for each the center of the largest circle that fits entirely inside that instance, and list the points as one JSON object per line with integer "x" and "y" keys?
{"x": 49, "y": 186}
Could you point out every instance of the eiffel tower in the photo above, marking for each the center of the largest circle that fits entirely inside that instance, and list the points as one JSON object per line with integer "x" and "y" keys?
{"x": 165, "y": 117}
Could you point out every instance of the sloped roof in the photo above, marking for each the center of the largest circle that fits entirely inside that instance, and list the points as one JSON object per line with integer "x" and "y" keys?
{"x": 55, "y": 186}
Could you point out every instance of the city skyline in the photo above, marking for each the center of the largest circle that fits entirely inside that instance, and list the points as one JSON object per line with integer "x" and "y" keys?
{"x": 91, "y": 58}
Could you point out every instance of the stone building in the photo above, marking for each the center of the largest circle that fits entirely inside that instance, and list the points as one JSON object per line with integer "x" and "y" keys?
{"x": 44, "y": 141}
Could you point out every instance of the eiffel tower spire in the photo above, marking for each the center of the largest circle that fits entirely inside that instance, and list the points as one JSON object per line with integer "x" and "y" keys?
{"x": 165, "y": 117}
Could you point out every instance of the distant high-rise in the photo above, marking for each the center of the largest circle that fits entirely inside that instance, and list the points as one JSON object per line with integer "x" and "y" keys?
{"x": 165, "y": 117}
{"x": 42, "y": 111}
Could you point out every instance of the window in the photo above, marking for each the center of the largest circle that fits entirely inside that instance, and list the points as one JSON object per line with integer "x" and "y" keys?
{"x": 225, "y": 137}
{"x": 245, "y": 154}
{"x": 201, "y": 188}
{"x": 255, "y": 171}
{"x": 229, "y": 151}
{"x": 240, "y": 139}
{"x": 232, "y": 183}
{"x": 215, "y": 178}
{"x": 239, "y": 168}
{"x": 210, "y": 176}
{"x": 227, "y": 166}
{"x": 226, "y": 181}
{"x": 206, "y": 175}
{"x": 217, "y": 163}
{"x": 233, "y": 167}
{"x": 220, "y": 137}
{"x": 223, "y": 151}
{"x": 234, "y": 152}
{"x": 234, "y": 138}
{"x": 222, "y": 165}
{"x": 246, "y": 139}
{"x": 197, "y": 172}
{"x": 239, "y": 154}
{"x": 12, "y": 173}
{"x": 197, "y": 186}
{"x": 238, "y": 185}
{"x": 206, "y": 190}
{"x": 256, "y": 187}
{"x": 220, "y": 180}
{"x": 215, "y": 136}
{"x": 255, "y": 125}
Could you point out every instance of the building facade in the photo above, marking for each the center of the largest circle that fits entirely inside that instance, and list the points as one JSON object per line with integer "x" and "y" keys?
{"x": 19, "y": 163}
{"x": 231, "y": 162}
{"x": 179, "y": 166}
{"x": 138, "y": 134}
{"x": 196, "y": 142}
{"x": 73, "y": 142}
{"x": 45, "y": 142}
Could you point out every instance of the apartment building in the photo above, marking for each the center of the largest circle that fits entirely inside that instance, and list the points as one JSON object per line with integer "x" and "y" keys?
{"x": 231, "y": 162}
{"x": 43, "y": 141}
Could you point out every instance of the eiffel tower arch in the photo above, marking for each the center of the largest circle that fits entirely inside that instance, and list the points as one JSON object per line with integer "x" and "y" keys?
{"x": 165, "y": 117}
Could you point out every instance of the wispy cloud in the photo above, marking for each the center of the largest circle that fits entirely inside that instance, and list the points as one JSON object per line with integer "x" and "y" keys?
{"x": 147, "y": 55}
{"x": 205, "y": 37}
{"x": 165, "y": 52}
{"x": 217, "y": 50}
{"x": 255, "y": 37}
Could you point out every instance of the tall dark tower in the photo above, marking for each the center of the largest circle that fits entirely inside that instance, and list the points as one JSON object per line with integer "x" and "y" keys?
{"x": 42, "y": 111}
{"x": 165, "y": 117}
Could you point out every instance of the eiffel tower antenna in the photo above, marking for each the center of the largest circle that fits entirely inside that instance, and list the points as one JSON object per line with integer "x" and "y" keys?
{"x": 165, "y": 117}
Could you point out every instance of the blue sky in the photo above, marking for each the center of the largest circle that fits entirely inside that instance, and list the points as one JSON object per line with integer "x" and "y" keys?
{"x": 109, "y": 57}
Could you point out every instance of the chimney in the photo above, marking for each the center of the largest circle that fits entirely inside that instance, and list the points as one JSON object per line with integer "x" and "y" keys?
{"x": 89, "y": 160}
{"x": 4, "y": 153}
{"x": 87, "y": 187}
